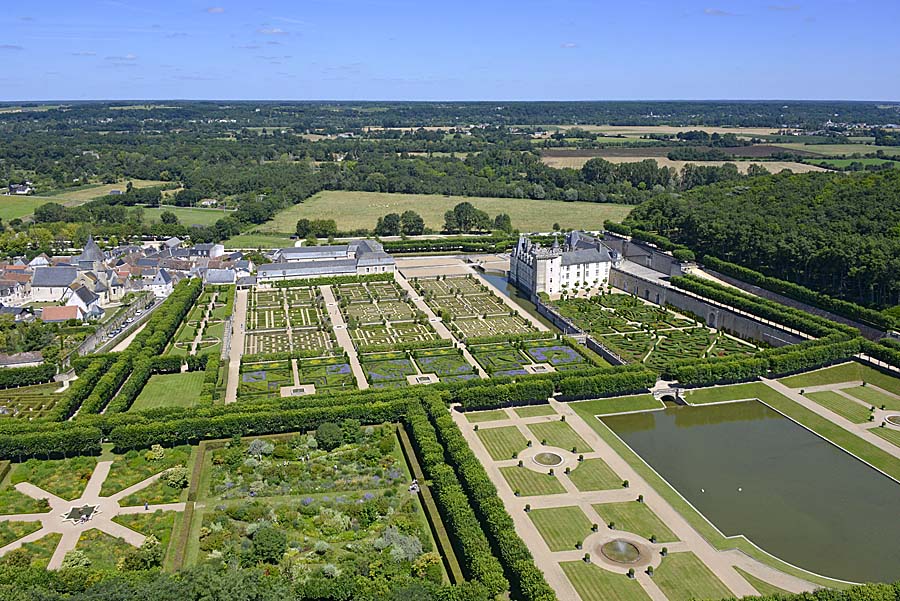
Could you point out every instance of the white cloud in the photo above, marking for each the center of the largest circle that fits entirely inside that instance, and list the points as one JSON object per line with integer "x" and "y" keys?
{"x": 568, "y": 45}
{"x": 272, "y": 31}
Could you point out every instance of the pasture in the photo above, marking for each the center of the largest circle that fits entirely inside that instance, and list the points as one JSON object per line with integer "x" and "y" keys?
{"x": 841, "y": 149}
{"x": 186, "y": 215}
{"x": 75, "y": 196}
{"x": 358, "y": 210}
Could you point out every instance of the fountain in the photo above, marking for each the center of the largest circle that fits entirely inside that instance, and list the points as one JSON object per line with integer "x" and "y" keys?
{"x": 548, "y": 459}
{"x": 81, "y": 514}
{"x": 893, "y": 420}
{"x": 621, "y": 551}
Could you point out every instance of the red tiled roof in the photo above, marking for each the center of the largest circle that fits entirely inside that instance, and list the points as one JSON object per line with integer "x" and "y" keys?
{"x": 59, "y": 313}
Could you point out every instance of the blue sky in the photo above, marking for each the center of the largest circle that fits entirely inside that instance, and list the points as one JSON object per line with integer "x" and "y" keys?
{"x": 459, "y": 50}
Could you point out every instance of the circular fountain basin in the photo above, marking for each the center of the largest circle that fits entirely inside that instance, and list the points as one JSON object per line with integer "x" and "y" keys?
{"x": 621, "y": 551}
{"x": 893, "y": 420}
{"x": 548, "y": 459}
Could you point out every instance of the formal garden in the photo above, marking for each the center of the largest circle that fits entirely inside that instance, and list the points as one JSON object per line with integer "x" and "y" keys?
{"x": 203, "y": 329}
{"x": 380, "y": 314}
{"x": 519, "y": 357}
{"x": 288, "y": 320}
{"x": 29, "y": 402}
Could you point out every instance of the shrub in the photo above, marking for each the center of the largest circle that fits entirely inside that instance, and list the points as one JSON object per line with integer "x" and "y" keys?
{"x": 329, "y": 436}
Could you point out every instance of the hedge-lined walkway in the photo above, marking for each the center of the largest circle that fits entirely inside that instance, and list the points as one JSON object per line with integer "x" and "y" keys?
{"x": 589, "y": 501}
{"x": 238, "y": 324}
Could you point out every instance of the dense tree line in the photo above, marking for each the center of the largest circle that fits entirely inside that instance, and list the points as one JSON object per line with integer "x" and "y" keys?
{"x": 836, "y": 234}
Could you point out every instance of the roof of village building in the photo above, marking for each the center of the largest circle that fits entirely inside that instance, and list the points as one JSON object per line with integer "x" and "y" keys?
{"x": 60, "y": 313}
{"x": 53, "y": 277}
{"x": 162, "y": 278}
{"x": 307, "y": 268}
{"x": 85, "y": 294}
{"x": 220, "y": 276}
{"x": 92, "y": 252}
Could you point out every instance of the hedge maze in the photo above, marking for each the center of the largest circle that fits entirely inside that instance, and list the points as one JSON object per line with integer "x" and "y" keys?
{"x": 639, "y": 332}
{"x": 28, "y": 402}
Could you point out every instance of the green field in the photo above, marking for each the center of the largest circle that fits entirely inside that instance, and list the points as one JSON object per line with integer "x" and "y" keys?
{"x": 186, "y": 215}
{"x": 82, "y": 194}
{"x": 529, "y": 483}
{"x": 170, "y": 390}
{"x": 637, "y": 518}
{"x": 841, "y": 149}
{"x": 476, "y": 417}
{"x": 502, "y": 443}
{"x": 869, "y": 395}
{"x": 682, "y": 577}
{"x": 18, "y": 207}
{"x": 761, "y": 586}
{"x": 357, "y": 210}
{"x": 561, "y": 527}
{"x": 258, "y": 241}
{"x": 593, "y": 583}
{"x": 843, "y": 163}
{"x": 845, "y": 372}
{"x": 594, "y": 474}
{"x": 841, "y": 405}
{"x": 560, "y": 435}
{"x": 534, "y": 411}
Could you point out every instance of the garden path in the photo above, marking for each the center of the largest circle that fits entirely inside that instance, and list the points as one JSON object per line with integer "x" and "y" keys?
{"x": 237, "y": 345}
{"x": 436, "y": 323}
{"x": 204, "y": 322}
{"x": 106, "y": 508}
{"x": 343, "y": 336}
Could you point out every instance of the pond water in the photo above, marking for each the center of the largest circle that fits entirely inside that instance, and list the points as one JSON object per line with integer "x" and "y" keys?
{"x": 501, "y": 282}
{"x": 752, "y": 471}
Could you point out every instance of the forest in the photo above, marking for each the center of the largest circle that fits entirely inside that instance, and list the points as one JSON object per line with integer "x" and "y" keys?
{"x": 838, "y": 234}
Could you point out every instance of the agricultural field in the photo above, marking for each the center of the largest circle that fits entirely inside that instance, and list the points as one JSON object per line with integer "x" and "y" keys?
{"x": 827, "y": 150}
{"x": 75, "y": 196}
{"x": 845, "y": 163}
{"x": 186, "y": 215}
{"x": 361, "y": 210}
{"x": 640, "y": 332}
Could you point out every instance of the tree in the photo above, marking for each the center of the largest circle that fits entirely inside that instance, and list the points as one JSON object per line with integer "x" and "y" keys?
{"x": 465, "y": 218}
{"x": 168, "y": 217}
{"x": 329, "y": 436}
{"x": 303, "y": 228}
{"x": 389, "y": 225}
{"x": 269, "y": 544}
{"x": 411, "y": 224}
{"x": 503, "y": 222}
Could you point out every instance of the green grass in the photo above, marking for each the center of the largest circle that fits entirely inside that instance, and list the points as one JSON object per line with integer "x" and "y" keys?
{"x": 561, "y": 527}
{"x": 134, "y": 467}
{"x": 18, "y": 207}
{"x": 502, "y": 443}
{"x": 13, "y": 531}
{"x": 636, "y": 518}
{"x": 841, "y": 405}
{"x": 102, "y": 549}
{"x": 845, "y": 372}
{"x": 721, "y": 394}
{"x": 476, "y": 417}
{"x": 157, "y": 523}
{"x": 641, "y": 402}
{"x": 761, "y": 586}
{"x": 186, "y": 215}
{"x": 357, "y": 210}
{"x": 889, "y": 434}
{"x": 65, "y": 478}
{"x": 687, "y": 511}
{"x": 42, "y": 549}
{"x": 561, "y": 435}
{"x": 170, "y": 390}
{"x": 254, "y": 240}
{"x": 841, "y": 149}
{"x": 594, "y": 474}
{"x": 869, "y": 395}
{"x": 13, "y": 502}
{"x": 682, "y": 577}
{"x": 594, "y": 583}
{"x": 529, "y": 483}
{"x": 535, "y": 411}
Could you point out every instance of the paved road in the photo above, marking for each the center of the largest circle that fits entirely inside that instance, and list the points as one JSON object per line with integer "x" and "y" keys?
{"x": 343, "y": 336}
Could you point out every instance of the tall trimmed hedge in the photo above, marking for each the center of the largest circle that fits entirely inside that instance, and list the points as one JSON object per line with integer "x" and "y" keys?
{"x": 527, "y": 581}
{"x": 13, "y": 377}
{"x": 607, "y": 384}
{"x": 524, "y": 392}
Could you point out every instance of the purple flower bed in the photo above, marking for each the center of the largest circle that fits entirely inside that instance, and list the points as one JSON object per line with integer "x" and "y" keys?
{"x": 555, "y": 355}
{"x": 458, "y": 378}
{"x": 442, "y": 367}
{"x": 333, "y": 370}
{"x": 390, "y": 369}
{"x": 511, "y": 372}
{"x": 253, "y": 376}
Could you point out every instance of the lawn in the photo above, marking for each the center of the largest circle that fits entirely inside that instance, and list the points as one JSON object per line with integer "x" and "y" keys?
{"x": 186, "y": 215}
{"x": 721, "y": 394}
{"x": 475, "y": 417}
{"x": 254, "y": 240}
{"x": 762, "y": 587}
{"x": 641, "y": 402}
{"x": 869, "y": 395}
{"x": 529, "y": 483}
{"x": 65, "y": 478}
{"x": 561, "y": 435}
{"x": 502, "y": 443}
{"x": 358, "y": 210}
{"x": 841, "y": 405}
{"x": 637, "y": 518}
{"x": 170, "y": 390}
{"x": 535, "y": 411}
{"x": 593, "y": 583}
{"x": 594, "y": 474}
{"x": 682, "y": 577}
{"x": 18, "y": 207}
{"x": 889, "y": 434}
{"x": 845, "y": 372}
{"x": 561, "y": 527}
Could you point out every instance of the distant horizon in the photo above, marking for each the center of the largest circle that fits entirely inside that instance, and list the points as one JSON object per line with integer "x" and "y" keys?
{"x": 127, "y": 50}
{"x": 460, "y": 101}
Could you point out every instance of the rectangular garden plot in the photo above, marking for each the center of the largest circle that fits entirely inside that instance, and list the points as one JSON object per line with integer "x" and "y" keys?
{"x": 28, "y": 401}
{"x": 326, "y": 374}
{"x": 265, "y": 378}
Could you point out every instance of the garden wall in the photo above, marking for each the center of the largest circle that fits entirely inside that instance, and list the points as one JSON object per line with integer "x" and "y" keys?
{"x": 655, "y": 259}
{"x": 567, "y": 327}
{"x": 714, "y": 316}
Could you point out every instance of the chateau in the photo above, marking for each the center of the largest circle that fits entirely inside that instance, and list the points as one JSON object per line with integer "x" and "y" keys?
{"x": 581, "y": 261}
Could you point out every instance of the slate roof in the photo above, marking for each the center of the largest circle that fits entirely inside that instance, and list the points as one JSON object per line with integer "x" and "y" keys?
{"x": 53, "y": 277}
{"x": 91, "y": 252}
{"x": 220, "y": 276}
{"x": 85, "y": 294}
{"x": 307, "y": 268}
